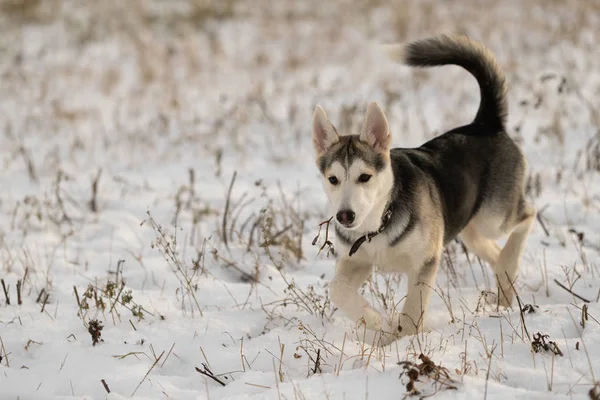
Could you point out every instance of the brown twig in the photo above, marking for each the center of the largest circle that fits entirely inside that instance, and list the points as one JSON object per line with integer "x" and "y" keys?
{"x": 118, "y": 294}
{"x": 570, "y": 291}
{"x": 168, "y": 354}
{"x": 44, "y": 303}
{"x": 93, "y": 200}
{"x": 105, "y": 385}
{"x": 148, "y": 373}
{"x": 4, "y": 351}
{"x": 40, "y": 295}
{"x": 521, "y": 314}
{"x": 23, "y": 282}
{"x": 5, "y": 292}
{"x": 299, "y": 255}
{"x": 327, "y": 242}
{"x": 19, "y": 298}
{"x": 226, "y": 212}
{"x": 207, "y": 372}
{"x": 317, "y": 362}
{"x": 81, "y": 314}
{"x": 487, "y": 374}
{"x": 541, "y": 221}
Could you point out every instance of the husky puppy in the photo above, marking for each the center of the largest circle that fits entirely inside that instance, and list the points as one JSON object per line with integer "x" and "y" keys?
{"x": 397, "y": 208}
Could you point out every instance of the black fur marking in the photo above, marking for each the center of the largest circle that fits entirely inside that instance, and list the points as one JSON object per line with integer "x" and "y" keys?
{"x": 472, "y": 56}
{"x": 412, "y": 221}
{"x": 403, "y": 201}
{"x": 428, "y": 266}
{"x": 347, "y": 150}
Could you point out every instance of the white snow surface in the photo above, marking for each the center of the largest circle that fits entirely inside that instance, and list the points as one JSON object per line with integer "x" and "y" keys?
{"x": 143, "y": 92}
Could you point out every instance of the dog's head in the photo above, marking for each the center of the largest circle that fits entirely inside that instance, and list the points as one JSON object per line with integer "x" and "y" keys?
{"x": 355, "y": 168}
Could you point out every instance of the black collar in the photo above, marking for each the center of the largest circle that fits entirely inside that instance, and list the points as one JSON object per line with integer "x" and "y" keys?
{"x": 385, "y": 221}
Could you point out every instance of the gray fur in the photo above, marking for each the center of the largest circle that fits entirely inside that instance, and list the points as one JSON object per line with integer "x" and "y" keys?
{"x": 347, "y": 150}
{"x": 475, "y": 58}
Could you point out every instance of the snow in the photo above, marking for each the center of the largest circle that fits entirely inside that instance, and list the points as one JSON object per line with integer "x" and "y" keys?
{"x": 140, "y": 94}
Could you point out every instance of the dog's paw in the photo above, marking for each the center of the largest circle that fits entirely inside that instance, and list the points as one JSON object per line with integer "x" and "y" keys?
{"x": 396, "y": 328}
{"x": 372, "y": 318}
{"x": 405, "y": 325}
{"x": 390, "y": 332}
{"x": 505, "y": 299}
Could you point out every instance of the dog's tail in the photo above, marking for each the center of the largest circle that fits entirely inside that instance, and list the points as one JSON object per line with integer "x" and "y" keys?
{"x": 472, "y": 56}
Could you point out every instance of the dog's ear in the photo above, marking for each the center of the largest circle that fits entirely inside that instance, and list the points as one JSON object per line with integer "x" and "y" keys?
{"x": 324, "y": 133}
{"x": 375, "y": 131}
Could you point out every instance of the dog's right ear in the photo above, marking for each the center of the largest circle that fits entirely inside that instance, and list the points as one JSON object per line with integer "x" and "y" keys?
{"x": 324, "y": 133}
{"x": 375, "y": 131}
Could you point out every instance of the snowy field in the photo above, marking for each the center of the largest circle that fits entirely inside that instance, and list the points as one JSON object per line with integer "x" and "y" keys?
{"x": 159, "y": 200}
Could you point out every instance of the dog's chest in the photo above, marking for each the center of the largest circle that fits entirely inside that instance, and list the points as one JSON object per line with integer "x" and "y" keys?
{"x": 400, "y": 258}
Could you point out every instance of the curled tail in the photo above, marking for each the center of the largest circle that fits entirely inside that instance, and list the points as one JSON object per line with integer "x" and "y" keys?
{"x": 472, "y": 56}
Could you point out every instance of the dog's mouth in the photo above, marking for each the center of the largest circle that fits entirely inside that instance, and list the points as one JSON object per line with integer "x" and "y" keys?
{"x": 347, "y": 226}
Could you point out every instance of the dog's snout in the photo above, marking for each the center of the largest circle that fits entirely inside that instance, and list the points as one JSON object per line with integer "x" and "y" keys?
{"x": 345, "y": 217}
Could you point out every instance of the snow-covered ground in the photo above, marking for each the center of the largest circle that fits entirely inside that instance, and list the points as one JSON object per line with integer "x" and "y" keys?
{"x": 123, "y": 124}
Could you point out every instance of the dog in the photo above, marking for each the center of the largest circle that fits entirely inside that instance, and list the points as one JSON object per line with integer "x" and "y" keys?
{"x": 398, "y": 208}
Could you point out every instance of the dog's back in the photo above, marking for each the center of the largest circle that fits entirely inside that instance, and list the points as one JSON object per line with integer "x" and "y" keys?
{"x": 479, "y": 170}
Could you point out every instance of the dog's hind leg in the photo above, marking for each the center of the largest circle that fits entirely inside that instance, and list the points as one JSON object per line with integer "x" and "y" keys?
{"x": 349, "y": 276}
{"x": 507, "y": 267}
{"x": 484, "y": 248}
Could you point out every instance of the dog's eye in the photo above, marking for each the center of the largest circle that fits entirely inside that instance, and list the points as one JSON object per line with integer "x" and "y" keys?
{"x": 364, "y": 178}
{"x": 333, "y": 180}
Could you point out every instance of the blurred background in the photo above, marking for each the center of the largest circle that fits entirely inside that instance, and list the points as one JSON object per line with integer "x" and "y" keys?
{"x": 84, "y": 79}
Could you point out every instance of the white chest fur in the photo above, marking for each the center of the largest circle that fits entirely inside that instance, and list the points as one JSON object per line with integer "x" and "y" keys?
{"x": 404, "y": 257}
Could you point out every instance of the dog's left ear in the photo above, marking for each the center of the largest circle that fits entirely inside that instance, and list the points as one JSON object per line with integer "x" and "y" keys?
{"x": 375, "y": 131}
{"x": 324, "y": 133}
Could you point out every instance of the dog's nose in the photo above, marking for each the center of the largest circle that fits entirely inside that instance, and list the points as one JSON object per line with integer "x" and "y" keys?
{"x": 345, "y": 217}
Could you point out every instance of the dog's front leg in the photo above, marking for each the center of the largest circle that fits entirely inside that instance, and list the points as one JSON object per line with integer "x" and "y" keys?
{"x": 420, "y": 284}
{"x": 349, "y": 276}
